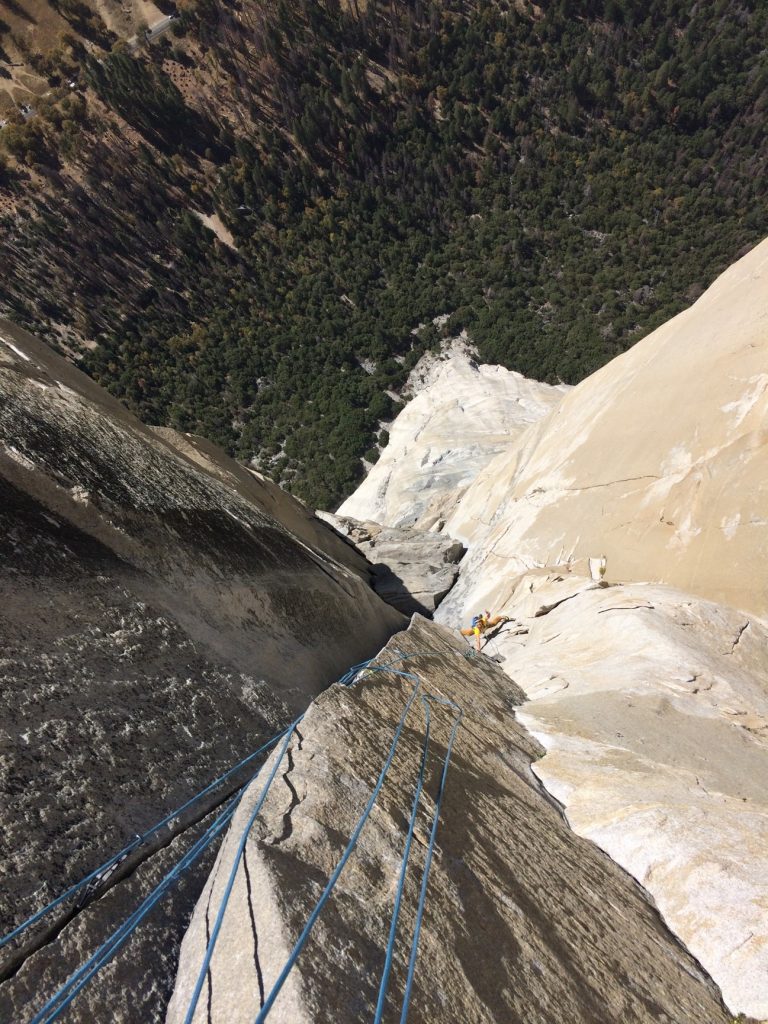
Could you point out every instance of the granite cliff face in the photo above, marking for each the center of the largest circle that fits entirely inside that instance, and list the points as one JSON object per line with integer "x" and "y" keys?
{"x": 649, "y": 699}
{"x": 652, "y": 706}
{"x": 202, "y": 527}
{"x": 643, "y": 743}
{"x": 659, "y": 461}
{"x": 461, "y": 416}
{"x": 162, "y": 612}
{"x": 524, "y": 921}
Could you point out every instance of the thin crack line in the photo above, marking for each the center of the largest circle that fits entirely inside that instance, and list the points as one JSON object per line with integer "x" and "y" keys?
{"x": 208, "y": 975}
{"x": 256, "y": 962}
{"x": 739, "y": 636}
{"x": 295, "y": 801}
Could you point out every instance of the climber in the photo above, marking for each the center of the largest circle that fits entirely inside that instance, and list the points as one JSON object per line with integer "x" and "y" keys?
{"x": 482, "y": 622}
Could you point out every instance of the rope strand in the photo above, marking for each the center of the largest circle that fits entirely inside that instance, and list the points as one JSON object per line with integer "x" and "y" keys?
{"x": 134, "y": 844}
{"x": 63, "y": 997}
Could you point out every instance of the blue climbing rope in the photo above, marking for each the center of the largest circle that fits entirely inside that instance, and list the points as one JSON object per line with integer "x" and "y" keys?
{"x": 428, "y": 860}
{"x": 231, "y": 880}
{"x": 134, "y": 844}
{"x": 345, "y": 856}
{"x": 80, "y": 978}
{"x": 384, "y": 667}
{"x": 77, "y": 981}
{"x": 403, "y": 869}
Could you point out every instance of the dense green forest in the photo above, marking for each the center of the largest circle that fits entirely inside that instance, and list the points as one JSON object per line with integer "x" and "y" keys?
{"x": 559, "y": 179}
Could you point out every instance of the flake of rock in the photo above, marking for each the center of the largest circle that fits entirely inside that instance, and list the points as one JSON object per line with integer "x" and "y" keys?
{"x": 411, "y": 570}
{"x": 524, "y": 921}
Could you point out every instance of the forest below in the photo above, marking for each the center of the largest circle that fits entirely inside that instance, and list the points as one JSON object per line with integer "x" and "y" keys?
{"x": 557, "y": 180}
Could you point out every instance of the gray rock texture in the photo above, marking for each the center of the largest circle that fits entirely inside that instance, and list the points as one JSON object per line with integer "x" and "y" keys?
{"x": 525, "y": 922}
{"x": 158, "y": 622}
{"x": 412, "y": 570}
{"x": 303, "y": 523}
{"x": 228, "y": 571}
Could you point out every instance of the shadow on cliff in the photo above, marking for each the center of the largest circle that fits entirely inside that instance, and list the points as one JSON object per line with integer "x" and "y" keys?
{"x": 394, "y": 590}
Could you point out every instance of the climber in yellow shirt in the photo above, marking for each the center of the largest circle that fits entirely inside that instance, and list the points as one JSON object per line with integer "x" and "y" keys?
{"x": 482, "y": 622}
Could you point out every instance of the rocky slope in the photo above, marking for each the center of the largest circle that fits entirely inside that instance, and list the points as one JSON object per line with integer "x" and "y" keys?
{"x": 463, "y": 414}
{"x": 162, "y": 612}
{"x": 524, "y": 921}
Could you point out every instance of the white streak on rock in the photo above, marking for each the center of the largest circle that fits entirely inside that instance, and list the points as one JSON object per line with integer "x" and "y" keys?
{"x": 18, "y": 351}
